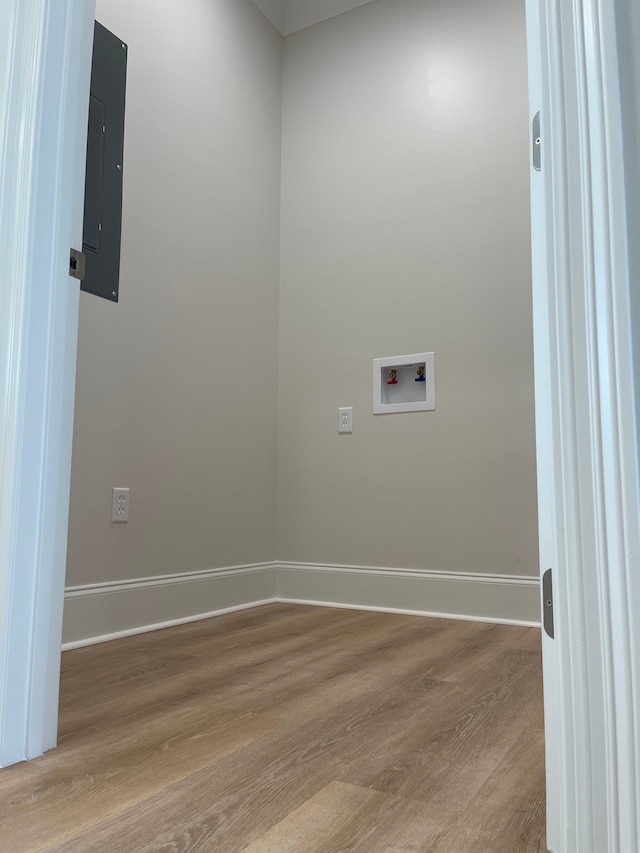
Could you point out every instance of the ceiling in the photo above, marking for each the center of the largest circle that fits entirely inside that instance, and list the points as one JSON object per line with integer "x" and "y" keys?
{"x": 289, "y": 16}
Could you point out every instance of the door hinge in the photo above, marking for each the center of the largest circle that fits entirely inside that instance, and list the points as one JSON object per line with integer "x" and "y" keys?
{"x": 547, "y": 603}
{"x": 536, "y": 142}
{"x": 76, "y": 264}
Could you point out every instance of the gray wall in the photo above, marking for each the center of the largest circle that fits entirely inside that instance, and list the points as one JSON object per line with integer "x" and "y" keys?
{"x": 177, "y": 385}
{"x": 405, "y": 229}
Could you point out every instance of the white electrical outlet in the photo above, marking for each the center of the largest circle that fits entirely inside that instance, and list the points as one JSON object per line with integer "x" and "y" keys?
{"x": 119, "y": 504}
{"x": 345, "y": 419}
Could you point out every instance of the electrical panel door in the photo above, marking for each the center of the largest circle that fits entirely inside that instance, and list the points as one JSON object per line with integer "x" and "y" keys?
{"x": 103, "y": 183}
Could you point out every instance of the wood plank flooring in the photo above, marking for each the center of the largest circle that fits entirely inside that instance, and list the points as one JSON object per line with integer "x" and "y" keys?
{"x": 292, "y": 729}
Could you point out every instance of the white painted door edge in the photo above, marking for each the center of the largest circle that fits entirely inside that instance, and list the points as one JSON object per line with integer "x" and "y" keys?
{"x": 44, "y": 93}
{"x": 586, "y": 429}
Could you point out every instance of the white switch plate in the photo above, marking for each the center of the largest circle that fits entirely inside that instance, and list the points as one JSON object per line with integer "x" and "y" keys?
{"x": 119, "y": 504}
{"x": 345, "y": 419}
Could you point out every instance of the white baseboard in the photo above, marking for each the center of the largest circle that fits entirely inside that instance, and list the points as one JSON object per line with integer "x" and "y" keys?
{"x": 455, "y": 595}
{"x": 100, "y": 612}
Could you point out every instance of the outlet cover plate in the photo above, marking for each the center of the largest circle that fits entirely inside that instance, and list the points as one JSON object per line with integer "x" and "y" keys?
{"x": 345, "y": 419}
{"x": 119, "y": 505}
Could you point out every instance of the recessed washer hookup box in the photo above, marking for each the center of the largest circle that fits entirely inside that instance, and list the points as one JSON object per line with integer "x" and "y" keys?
{"x": 404, "y": 383}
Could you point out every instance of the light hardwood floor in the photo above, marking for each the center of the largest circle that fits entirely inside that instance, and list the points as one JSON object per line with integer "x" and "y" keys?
{"x": 291, "y": 729}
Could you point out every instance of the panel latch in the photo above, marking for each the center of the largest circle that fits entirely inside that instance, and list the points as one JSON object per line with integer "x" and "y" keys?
{"x": 76, "y": 264}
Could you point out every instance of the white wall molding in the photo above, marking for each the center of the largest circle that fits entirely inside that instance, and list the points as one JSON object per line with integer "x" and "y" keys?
{"x": 99, "y": 612}
{"x": 465, "y": 577}
{"x": 44, "y": 92}
{"x": 586, "y": 430}
{"x": 72, "y": 592}
{"x": 456, "y": 595}
{"x": 159, "y": 626}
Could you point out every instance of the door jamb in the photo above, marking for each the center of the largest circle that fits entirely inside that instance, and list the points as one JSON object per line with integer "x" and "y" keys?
{"x": 586, "y": 425}
{"x": 44, "y": 93}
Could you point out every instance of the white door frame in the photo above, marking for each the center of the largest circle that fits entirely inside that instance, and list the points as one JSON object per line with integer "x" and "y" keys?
{"x": 589, "y": 507}
{"x": 45, "y": 62}
{"x": 586, "y": 423}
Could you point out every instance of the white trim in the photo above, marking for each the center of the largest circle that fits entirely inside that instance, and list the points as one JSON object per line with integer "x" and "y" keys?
{"x": 543, "y": 324}
{"x": 587, "y": 452}
{"x": 44, "y": 93}
{"x": 169, "y": 623}
{"x": 457, "y": 617}
{"x": 100, "y": 612}
{"x": 109, "y": 610}
{"x": 513, "y": 600}
{"x": 428, "y": 574}
{"x": 162, "y": 580}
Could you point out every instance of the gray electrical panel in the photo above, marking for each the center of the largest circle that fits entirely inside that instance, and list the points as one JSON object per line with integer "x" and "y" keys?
{"x": 103, "y": 182}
